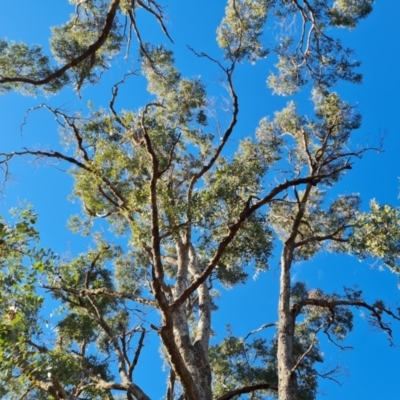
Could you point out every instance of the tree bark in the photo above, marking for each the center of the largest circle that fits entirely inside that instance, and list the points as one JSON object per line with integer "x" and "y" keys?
{"x": 202, "y": 369}
{"x": 287, "y": 387}
{"x": 192, "y": 351}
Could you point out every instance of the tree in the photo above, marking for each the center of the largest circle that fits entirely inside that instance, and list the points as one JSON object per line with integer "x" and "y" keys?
{"x": 194, "y": 215}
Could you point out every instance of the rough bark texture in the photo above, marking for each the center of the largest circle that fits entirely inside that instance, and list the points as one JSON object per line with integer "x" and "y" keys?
{"x": 189, "y": 357}
{"x": 287, "y": 388}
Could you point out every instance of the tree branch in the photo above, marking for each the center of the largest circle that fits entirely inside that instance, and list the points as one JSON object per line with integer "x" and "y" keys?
{"x": 91, "y": 50}
{"x": 137, "y": 352}
{"x": 262, "y": 327}
{"x": 247, "y": 389}
{"x": 330, "y": 236}
{"x": 376, "y": 310}
{"x": 301, "y": 358}
{"x": 234, "y": 228}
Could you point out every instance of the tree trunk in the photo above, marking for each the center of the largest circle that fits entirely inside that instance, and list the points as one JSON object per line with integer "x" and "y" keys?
{"x": 194, "y": 351}
{"x": 287, "y": 387}
{"x": 202, "y": 374}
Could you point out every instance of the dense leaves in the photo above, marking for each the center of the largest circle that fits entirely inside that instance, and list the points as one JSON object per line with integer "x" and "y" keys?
{"x": 187, "y": 217}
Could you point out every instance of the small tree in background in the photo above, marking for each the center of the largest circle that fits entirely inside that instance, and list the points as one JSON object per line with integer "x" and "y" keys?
{"x": 194, "y": 215}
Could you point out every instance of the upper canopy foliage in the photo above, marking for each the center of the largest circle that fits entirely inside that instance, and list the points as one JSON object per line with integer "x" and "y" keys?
{"x": 194, "y": 215}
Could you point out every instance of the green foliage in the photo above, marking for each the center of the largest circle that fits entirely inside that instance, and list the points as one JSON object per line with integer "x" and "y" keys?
{"x": 237, "y": 362}
{"x": 317, "y": 57}
{"x": 21, "y": 265}
{"x": 240, "y": 362}
{"x": 186, "y": 212}
{"x": 32, "y": 354}
{"x": 377, "y": 235}
{"x": 321, "y": 226}
{"x": 347, "y": 13}
{"x": 73, "y": 38}
{"x": 335, "y": 322}
{"x": 18, "y": 59}
{"x": 240, "y": 31}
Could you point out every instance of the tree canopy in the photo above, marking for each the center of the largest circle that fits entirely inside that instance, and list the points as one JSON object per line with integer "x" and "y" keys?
{"x": 179, "y": 204}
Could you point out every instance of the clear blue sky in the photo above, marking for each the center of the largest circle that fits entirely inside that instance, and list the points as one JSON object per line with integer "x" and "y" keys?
{"x": 373, "y": 366}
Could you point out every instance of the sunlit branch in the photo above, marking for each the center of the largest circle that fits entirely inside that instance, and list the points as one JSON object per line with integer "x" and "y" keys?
{"x": 158, "y": 14}
{"x": 120, "y": 204}
{"x": 249, "y": 210}
{"x": 114, "y": 92}
{"x": 91, "y": 50}
{"x": 261, "y": 328}
{"x": 100, "y": 292}
{"x": 171, "y": 385}
{"x": 330, "y": 236}
{"x": 235, "y": 112}
{"x": 121, "y": 386}
{"x": 305, "y": 354}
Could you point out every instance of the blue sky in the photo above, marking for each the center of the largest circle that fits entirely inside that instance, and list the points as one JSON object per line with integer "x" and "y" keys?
{"x": 373, "y": 366}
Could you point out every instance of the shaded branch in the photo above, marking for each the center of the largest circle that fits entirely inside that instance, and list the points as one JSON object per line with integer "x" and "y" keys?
{"x": 137, "y": 352}
{"x": 158, "y": 14}
{"x": 50, "y": 385}
{"x": 171, "y": 385}
{"x": 50, "y": 154}
{"x": 246, "y": 389}
{"x": 114, "y": 92}
{"x": 55, "y": 154}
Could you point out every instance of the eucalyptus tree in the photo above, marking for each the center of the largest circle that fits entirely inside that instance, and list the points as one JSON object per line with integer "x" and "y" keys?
{"x": 194, "y": 215}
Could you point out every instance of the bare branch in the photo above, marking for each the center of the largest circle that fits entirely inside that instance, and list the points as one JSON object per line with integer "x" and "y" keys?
{"x": 171, "y": 385}
{"x": 227, "y": 133}
{"x": 301, "y": 358}
{"x": 120, "y": 204}
{"x": 262, "y": 327}
{"x": 335, "y": 343}
{"x": 158, "y": 14}
{"x": 137, "y": 353}
{"x": 50, "y": 154}
{"x": 114, "y": 92}
{"x": 337, "y": 370}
